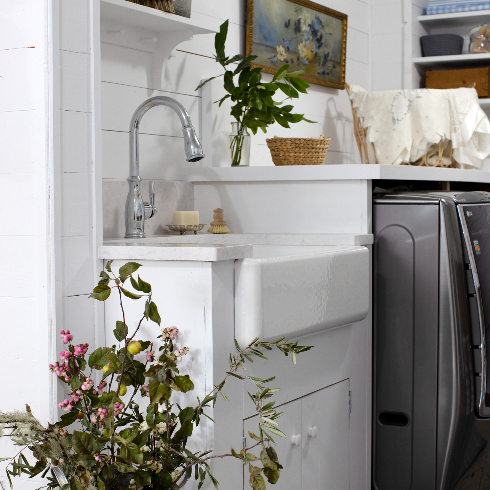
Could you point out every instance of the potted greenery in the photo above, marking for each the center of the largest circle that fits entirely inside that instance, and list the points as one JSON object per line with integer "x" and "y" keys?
{"x": 126, "y": 444}
{"x": 254, "y": 106}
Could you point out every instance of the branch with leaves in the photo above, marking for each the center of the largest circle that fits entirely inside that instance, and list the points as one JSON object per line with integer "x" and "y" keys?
{"x": 253, "y": 103}
{"x": 123, "y": 444}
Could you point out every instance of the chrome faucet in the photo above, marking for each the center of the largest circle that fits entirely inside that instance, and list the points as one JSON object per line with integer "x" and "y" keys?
{"x": 137, "y": 211}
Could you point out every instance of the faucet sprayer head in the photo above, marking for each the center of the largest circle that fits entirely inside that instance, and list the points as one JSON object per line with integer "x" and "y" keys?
{"x": 193, "y": 148}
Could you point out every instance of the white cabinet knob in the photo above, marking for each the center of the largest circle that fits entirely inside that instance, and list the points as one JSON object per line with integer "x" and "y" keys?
{"x": 296, "y": 440}
{"x": 313, "y": 431}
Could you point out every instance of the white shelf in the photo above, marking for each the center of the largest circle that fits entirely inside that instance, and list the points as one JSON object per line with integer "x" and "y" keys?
{"x": 333, "y": 172}
{"x": 484, "y": 103}
{"x": 458, "y": 19}
{"x": 463, "y": 60}
{"x": 138, "y": 16}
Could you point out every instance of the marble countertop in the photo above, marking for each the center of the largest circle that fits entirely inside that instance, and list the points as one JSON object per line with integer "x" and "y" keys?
{"x": 128, "y": 249}
{"x": 207, "y": 247}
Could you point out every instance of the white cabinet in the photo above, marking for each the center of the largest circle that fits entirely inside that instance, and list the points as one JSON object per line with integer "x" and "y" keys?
{"x": 315, "y": 451}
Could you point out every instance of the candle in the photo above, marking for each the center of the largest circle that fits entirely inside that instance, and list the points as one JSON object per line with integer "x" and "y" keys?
{"x": 186, "y": 218}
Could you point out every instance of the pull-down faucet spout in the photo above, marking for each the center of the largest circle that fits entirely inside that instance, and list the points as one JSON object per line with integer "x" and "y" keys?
{"x": 136, "y": 209}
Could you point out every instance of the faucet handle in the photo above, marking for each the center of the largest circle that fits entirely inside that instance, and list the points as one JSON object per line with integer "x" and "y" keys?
{"x": 150, "y": 209}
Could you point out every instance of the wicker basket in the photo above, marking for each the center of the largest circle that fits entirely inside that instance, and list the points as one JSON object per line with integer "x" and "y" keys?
{"x": 368, "y": 151}
{"x": 298, "y": 151}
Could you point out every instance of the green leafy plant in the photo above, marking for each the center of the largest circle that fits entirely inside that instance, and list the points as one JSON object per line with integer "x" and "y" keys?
{"x": 120, "y": 442}
{"x": 254, "y": 106}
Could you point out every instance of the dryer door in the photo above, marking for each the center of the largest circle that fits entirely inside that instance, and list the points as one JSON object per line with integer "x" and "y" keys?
{"x": 475, "y": 223}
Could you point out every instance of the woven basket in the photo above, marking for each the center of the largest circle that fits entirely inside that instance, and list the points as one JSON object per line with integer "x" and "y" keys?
{"x": 298, "y": 151}
{"x": 368, "y": 151}
{"x": 165, "y": 5}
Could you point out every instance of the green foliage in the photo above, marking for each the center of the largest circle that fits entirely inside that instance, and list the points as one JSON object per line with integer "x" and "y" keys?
{"x": 152, "y": 446}
{"x": 253, "y": 104}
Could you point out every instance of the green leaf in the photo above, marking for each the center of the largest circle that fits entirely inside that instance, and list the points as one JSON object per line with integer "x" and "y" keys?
{"x": 220, "y": 40}
{"x": 85, "y": 443}
{"x": 281, "y": 72}
{"x": 142, "y": 478}
{"x": 186, "y": 414}
{"x": 233, "y": 60}
{"x": 254, "y": 436}
{"x": 124, "y": 468}
{"x": 157, "y": 391}
{"x": 134, "y": 453}
{"x": 97, "y": 358}
{"x": 68, "y": 418}
{"x": 184, "y": 432}
{"x": 113, "y": 360}
{"x": 184, "y": 383}
{"x": 121, "y": 331}
{"x": 244, "y": 64}
{"x": 166, "y": 480}
{"x": 108, "y": 266}
{"x": 129, "y": 294}
{"x": 229, "y": 85}
{"x": 144, "y": 286}
{"x": 272, "y": 475}
{"x": 288, "y": 90}
{"x": 75, "y": 483}
{"x": 128, "y": 268}
{"x": 274, "y": 430}
{"x": 208, "y": 80}
{"x": 153, "y": 313}
{"x": 299, "y": 84}
{"x": 75, "y": 383}
{"x": 101, "y": 293}
{"x": 100, "y": 484}
{"x": 135, "y": 284}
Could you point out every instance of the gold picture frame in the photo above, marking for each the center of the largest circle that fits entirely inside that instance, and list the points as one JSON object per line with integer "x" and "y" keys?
{"x": 315, "y": 39}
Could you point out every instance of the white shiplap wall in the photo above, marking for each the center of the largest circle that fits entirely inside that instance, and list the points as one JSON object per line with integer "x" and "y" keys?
{"x": 25, "y": 178}
{"x": 125, "y": 84}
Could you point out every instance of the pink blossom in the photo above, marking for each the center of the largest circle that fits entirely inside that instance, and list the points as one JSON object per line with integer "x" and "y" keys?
{"x": 80, "y": 350}
{"x": 87, "y": 385}
{"x": 94, "y": 419}
{"x": 61, "y": 369}
{"x": 65, "y": 355}
{"x": 66, "y": 405}
{"x": 66, "y": 337}
{"x": 118, "y": 408}
{"x": 150, "y": 356}
{"x": 74, "y": 397}
{"x": 97, "y": 457}
{"x": 145, "y": 389}
{"x": 102, "y": 412}
{"x": 101, "y": 387}
{"x": 170, "y": 333}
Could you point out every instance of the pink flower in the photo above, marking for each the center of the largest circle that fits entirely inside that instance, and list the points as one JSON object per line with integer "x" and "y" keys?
{"x": 94, "y": 419}
{"x": 80, "y": 350}
{"x": 150, "y": 356}
{"x": 74, "y": 397}
{"x": 101, "y": 387}
{"x": 61, "y": 369}
{"x": 97, "y": 457}
{"x": 65, "y": 405}
{"x": 102, "y": 412}
{"x": 118, "y": 408}
{"x": 66, "y": 337}
{"x": 65, "y": 355}
{"x": 87, "y": 385}
{"x": 170, "y": 333}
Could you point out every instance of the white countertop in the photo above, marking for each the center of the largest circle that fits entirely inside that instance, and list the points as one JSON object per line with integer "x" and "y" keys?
{"x": 200, "y": 252}
{"x": 207, "y": 247}
{"x": 333, "y": 172}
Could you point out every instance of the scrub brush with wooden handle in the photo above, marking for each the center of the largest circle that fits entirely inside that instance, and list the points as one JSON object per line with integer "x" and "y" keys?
{"x": 218, "y": 225}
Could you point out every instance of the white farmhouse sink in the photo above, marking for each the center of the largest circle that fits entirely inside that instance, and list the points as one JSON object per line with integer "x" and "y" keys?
{"x": 290, "y": 291}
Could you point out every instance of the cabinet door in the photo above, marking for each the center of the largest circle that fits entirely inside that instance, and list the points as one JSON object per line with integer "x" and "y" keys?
{"x": 326, "y": 456}
{"x": 289, "y": 454}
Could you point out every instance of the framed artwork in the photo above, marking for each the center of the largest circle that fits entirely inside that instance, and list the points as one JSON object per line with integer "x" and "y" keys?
{"x": 306, "y": 35}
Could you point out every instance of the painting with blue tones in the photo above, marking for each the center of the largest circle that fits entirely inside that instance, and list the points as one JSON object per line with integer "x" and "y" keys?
{"x": 308, "y": 36}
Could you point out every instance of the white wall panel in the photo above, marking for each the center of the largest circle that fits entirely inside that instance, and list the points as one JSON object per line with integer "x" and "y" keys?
{"x": 75, "y": 73}
{"x": 76, "y": 150}
{"x": 77, "y": 265}
{"x": 75, "y": 24}
{"x": 18, "y": 278}
{"x": 76, "y": 204}
{"x": 17, "y": 19}
{"x": 19, "y": 187}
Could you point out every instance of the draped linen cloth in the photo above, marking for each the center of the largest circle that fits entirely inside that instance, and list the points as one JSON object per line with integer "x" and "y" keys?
{"x": 404, "y": 124}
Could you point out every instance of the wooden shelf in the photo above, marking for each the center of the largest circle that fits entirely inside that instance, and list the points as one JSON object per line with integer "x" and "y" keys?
{"x": 458, "y": 19}
{"x": 138, "y": 16}
{"x": 459, "y": 60}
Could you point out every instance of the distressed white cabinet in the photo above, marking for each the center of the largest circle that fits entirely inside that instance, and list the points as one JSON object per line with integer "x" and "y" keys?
{"x": 315, "y": 451}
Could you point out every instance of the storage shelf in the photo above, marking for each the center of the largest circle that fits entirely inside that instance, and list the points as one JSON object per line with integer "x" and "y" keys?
{"x": 131, "y": 14}
{"x": 457, "y": 19}
{"x": 484, "y": 103}
{"x": 463, "y": 60}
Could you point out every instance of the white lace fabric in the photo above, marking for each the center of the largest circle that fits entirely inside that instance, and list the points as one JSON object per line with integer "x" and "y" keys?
{"x": 404, "y": 124}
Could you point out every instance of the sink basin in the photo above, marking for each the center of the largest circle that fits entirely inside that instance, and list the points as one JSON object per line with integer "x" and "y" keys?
{"x": 290, "y": 291}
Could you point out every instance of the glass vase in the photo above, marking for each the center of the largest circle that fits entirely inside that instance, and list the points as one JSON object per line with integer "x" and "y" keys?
{"x": 239, "y": 146}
